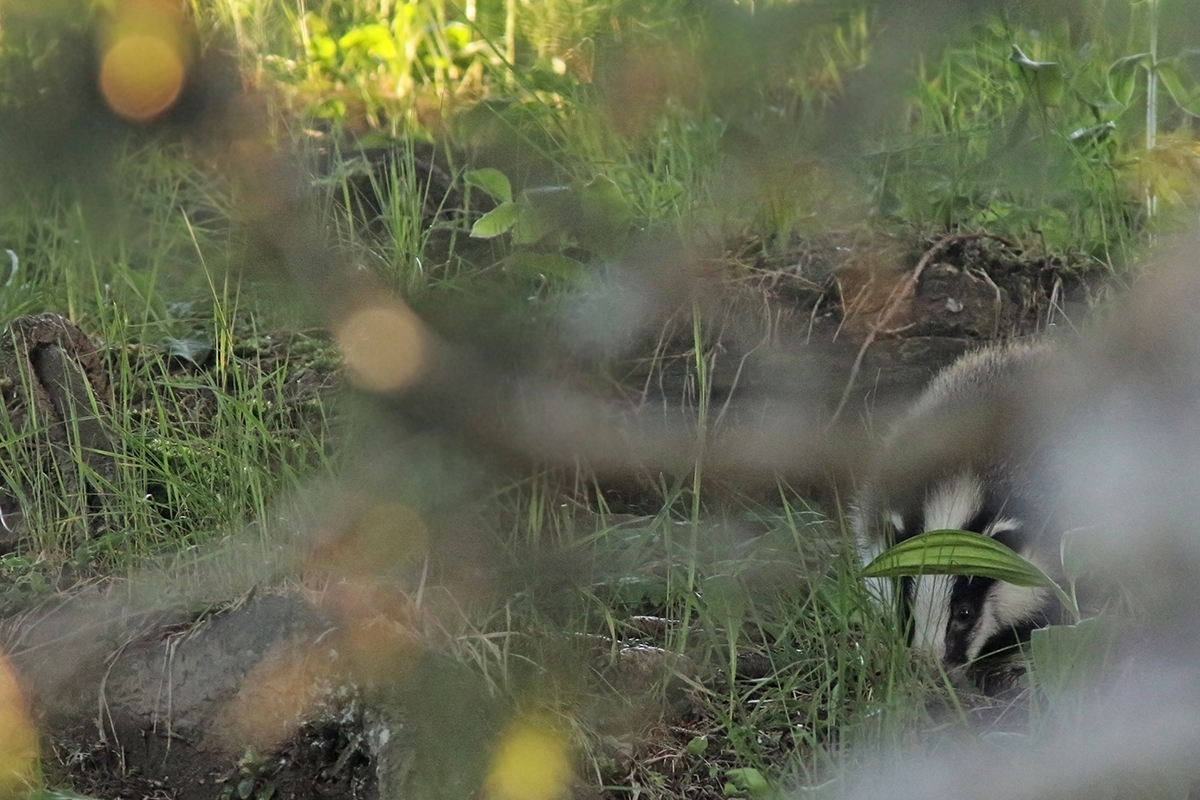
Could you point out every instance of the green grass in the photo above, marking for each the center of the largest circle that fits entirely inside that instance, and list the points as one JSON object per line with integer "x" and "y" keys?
{"x": 769, "y": 661}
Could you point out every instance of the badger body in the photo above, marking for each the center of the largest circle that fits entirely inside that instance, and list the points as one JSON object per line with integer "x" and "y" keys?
{"x": 968, "y": 455}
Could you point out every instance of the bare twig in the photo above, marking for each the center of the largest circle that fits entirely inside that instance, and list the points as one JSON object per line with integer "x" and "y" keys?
{"x": 895, "y": 299}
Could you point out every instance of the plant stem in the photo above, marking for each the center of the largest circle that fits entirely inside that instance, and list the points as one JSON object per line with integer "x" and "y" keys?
{"x": 1152, "y": 100}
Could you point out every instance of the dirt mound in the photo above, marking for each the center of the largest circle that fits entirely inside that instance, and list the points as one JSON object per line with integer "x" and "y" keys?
{"x": 244, "y": 702}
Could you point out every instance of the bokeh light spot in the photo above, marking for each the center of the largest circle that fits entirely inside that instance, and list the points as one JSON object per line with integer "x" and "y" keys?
{"x": 532, "y": 763}
{"x": 18, "y": 737}
{"x": 383, "y": 347}
{"x": 274, "y": 699}
{"x": 391, "y": 534}
{"x": 141, "y": 76}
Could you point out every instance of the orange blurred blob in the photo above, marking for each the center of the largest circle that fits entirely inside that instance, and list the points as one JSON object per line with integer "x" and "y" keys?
{"x": 382, "y": 536}
{"x": 531, "y": 763}
{"x": 373, "y": 645}
{"x": 278, "y": 695}
{"x": 141, "y": 77}
{"x": 384, "y": 347}
{"x": 146, "y": 51}
{"x": 18, "y": 737}
{"x": 644, "y": 79}
{"x": 377, "y": 651}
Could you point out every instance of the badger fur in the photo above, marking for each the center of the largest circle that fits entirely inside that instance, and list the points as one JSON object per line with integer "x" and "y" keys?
{"x": 968, "y": 456}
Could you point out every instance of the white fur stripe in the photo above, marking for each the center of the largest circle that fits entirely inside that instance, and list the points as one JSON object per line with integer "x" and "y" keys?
{"x": 1006, "y": 605}
{"x": 931, "y": 613}
{"x": 950, "y": 505}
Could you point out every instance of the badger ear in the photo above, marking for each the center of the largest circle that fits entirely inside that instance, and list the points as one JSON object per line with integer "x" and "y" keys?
{"x": 1009, "y": 532}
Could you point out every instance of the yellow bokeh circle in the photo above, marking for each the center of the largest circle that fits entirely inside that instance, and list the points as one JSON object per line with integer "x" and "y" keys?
{"x": 141, "y": 76}
{"x": 532, "y": 762}
{"x": 18, "y": 737}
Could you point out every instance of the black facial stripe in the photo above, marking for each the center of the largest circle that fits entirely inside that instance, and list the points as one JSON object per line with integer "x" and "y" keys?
{"x": 980, "y": 521}
{"x": 1014, "y": 540}
{"x": 907, "y": 588}
{"x": 967, "y": 597}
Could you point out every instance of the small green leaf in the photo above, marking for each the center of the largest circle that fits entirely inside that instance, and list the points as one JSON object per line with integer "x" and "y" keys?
{"x": 492, "y": 181}
{"x": 697, "y": 746}
{"x": 1093, "y": 134}
{"x": 457, "y": 34}
{"x": 1081, "y": 554}
{"x": 323, "y": 48}
{"x": 724, "y": 597}
{"x": 603, "y": 202}
{"x": 956, "y": 553}
{"x": 56, "y": 794}
{"x": 497, "y": 221}
{"x": 1044, "y": 78}
{"x": 1020, "y": 59}
{"x": 194, "y": 351}
{"x": 1168, "y": 74}
{"x": 546, "y": 266}
{"x": 374, "y": 39}
{"x": 531, "y": 225}
{"x": 1121, "y": 78}
{"x": 746, "y": 780}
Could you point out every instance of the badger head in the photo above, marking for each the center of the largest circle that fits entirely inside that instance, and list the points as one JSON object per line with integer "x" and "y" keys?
{"x": 970, "y": 621}
{"x": 962, "y": 618}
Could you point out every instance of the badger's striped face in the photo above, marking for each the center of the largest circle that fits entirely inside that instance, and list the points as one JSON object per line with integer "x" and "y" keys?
{"x": 957, "y": 618}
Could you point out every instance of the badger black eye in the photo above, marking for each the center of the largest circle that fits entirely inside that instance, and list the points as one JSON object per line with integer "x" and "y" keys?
{"x": 963, "y": 612}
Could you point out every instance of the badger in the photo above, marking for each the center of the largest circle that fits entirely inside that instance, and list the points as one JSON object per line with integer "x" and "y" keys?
{"x": 968, "y": 455}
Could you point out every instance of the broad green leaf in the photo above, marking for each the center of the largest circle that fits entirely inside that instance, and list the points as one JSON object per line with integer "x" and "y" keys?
{"x": 956, "y": 553}
{"x": 492, "y": 181}
{"x": 1065, "y": 657}
{"x": 323, "y": 48}
{"x": 1049, "y": 86}
{"x": 497, "y": 221}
